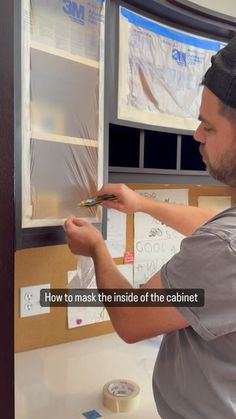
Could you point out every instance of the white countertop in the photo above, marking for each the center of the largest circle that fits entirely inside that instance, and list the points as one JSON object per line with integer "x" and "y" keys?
{"x": 64, "y": 381}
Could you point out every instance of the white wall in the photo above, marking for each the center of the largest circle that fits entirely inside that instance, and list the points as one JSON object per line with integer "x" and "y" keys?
{"x": 228, "y": 7}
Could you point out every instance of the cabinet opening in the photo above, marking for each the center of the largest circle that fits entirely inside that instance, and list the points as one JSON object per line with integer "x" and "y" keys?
{"x": 160, "y": 150}
{"x": 190, "y": 156}
{"x": 123, "y": 146}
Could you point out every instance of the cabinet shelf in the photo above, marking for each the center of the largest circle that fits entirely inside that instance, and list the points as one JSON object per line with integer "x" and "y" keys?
{"x": 51, "y": 222}
{"x": 42, "y": 136}
{"x": 64, "y": 54}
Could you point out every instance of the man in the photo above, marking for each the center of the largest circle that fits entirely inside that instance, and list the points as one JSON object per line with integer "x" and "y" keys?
{"x": 195, "y": 372}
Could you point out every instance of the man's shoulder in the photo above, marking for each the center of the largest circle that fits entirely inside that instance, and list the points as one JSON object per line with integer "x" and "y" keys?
{"x": 223, "y": 217}
{"x": 222, "y": 226}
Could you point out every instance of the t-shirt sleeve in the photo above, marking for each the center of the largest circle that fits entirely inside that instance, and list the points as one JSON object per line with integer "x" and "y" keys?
{"x": 207, "y": 261}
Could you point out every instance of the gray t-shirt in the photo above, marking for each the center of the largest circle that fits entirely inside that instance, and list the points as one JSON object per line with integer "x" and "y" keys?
{"x": 195, "y": 371}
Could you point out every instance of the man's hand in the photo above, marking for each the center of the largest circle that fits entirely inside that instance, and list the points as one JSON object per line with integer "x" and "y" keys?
{"x": 82, "y": 237}
{"x": 128, "y": 200}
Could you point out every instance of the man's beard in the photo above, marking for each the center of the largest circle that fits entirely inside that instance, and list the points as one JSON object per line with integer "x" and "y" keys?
{"x": 224, "y": 169}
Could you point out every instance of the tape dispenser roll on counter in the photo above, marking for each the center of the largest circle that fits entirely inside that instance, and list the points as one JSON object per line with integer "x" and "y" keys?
{"x": 121, "y": 395}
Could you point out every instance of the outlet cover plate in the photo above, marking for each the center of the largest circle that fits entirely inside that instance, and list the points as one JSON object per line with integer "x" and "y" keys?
{"x": 30, "y": 301}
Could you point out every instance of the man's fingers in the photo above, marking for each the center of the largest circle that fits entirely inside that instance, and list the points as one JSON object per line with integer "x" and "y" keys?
{"x": 110, "y": 204}
{"x": 68, "y": 222}
{"x": 109, "y": 189}
{"x": 80, "y": 223}
{"x": 72, "y": 222}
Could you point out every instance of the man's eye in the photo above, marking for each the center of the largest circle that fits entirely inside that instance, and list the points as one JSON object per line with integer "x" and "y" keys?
{"x": 207, "y": 129}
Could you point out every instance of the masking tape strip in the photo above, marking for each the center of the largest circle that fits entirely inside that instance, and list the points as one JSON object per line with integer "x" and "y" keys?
{"x": 121, "y": 395}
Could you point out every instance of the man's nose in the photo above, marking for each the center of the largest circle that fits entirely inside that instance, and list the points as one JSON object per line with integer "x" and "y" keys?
{"x": 199, "y": 135}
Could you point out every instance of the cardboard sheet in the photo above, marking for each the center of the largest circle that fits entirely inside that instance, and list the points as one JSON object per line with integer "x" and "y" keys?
{"x": 217, "y": 203}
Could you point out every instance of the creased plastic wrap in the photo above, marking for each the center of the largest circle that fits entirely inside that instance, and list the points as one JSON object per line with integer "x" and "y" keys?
{"x": 160, "y": 71}
{"x": 85, "y": 274}
{"x": 62, "y": 109}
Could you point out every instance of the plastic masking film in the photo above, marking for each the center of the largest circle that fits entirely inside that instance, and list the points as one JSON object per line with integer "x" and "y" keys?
{"x": 160, "y": 71}
{"x": 85, "y": 272}
{"x": 63, "y": 146}
{"x": 71, "y": 26}
{"x": 61, "y": 176}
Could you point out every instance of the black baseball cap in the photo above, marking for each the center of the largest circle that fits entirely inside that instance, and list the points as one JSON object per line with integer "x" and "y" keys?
{"x": 220, "y": 78}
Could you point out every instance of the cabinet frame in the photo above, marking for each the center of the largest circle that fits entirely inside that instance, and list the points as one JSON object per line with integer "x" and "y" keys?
{"x": 7, "y": 222}
{"x": 34, "y": 236}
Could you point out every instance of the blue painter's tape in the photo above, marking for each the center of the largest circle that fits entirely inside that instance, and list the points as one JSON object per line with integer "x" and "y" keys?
{"x": 91, "y": 414}
{"x": 152, "y": 26}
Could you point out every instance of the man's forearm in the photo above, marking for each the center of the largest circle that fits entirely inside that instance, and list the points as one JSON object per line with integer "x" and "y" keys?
{"x": 134, "y": 323}
{"x": 183, "y": 218}
{"x": 107, "y": 274}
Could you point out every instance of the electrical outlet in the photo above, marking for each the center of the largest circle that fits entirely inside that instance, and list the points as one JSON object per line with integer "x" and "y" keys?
{"x": 30, "y": 301}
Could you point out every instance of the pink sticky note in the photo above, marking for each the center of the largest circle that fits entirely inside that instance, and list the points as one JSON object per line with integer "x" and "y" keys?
{"x": 129, "y": 257}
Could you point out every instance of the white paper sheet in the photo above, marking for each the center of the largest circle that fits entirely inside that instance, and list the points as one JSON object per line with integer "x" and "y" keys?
{"x": 143, "y": 271}
{"x": 116, "y": 233}
{"x": 217, "y": 203}
{"x": 82, "y": 316}
{"x": 154, "y": 242}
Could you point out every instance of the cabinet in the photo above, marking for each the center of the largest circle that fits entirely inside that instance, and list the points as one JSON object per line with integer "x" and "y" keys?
{"x": 145, "y": 151}
{"x": 66, "y": 115}
{"x": 62, "y": 110}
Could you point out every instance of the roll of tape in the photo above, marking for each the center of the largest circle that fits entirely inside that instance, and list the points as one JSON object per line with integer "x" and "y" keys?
{"x": 121, "y": 395}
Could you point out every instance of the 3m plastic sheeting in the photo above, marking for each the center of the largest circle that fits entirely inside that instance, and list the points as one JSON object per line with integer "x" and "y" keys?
{"x": 62, "y": 109}
{"x": 160, "y": 72}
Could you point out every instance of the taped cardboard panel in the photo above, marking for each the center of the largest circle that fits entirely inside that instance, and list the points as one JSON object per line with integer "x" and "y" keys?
{"x": 160, "y": 72}
{"x": 160, "y": 119}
